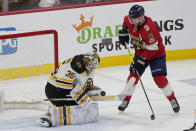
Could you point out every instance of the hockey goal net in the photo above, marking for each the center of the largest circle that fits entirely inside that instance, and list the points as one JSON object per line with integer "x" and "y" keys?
{"x": 27, "y": 57}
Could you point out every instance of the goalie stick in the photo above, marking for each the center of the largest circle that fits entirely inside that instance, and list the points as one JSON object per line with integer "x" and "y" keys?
{"x": 94, "y": 98}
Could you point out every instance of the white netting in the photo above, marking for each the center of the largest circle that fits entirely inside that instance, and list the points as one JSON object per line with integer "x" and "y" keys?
{"x": 25, "y": 63}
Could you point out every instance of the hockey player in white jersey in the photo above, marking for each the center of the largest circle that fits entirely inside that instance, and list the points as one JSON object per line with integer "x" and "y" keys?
{"x": 73, "y": 82}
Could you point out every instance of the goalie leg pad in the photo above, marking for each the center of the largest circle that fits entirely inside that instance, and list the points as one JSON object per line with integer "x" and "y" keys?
{"x": 49, "y": 119}
{"x": 69, "y": 115}
{"x": 86, "y": 114}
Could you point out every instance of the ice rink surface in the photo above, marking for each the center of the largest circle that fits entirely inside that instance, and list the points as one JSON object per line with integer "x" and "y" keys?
{"x": 181, "y": 75}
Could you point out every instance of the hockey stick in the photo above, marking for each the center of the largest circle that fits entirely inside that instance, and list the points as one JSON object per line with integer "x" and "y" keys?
{"x": 152, "y": 116}
{"x": 94, "y": 98}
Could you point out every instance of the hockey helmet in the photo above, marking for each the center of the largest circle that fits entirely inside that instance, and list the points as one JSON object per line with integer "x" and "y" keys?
{"x": 136, "y": 11}
{"x": 91, "y": 60}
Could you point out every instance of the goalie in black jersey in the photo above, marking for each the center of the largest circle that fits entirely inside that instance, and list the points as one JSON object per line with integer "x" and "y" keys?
{"x": 73, "y": 82}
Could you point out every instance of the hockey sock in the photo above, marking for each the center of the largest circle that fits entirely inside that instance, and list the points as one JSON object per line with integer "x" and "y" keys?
{"x": 132, "y": 80}
{"x": 162, "y": 82}
{"x": 133, "y": 75}
{"x": 127, "y": 98}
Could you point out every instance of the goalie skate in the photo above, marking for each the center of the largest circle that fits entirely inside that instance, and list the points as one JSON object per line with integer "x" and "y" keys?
{"x": 45, "y": 120}
{"x": 175, "y": 105}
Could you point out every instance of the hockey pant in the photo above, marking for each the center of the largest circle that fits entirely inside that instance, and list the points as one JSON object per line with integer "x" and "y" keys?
{"x": 70, "y": 115}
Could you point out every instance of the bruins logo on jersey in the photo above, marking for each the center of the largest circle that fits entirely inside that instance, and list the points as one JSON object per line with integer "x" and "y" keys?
{"x": 88, "y": 84}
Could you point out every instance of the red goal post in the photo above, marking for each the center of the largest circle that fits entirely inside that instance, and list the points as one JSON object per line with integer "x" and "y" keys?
{"x": 12, "y": 76}
{"x": 35, "y": 33}
{"x": 22, "y": 34}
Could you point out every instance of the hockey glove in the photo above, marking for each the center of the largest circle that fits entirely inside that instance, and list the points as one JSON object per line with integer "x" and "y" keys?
{"x": 123, "y": 36}
{"x": 132, "y": 69}
{"x": 137, "y": 44}
{"x": 138, "y": 66}
{"x": 140, "y": 63}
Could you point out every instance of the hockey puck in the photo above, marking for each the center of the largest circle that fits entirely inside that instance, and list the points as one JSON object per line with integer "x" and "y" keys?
{"x": 102, "y": 93}
{"x": 152, "y": 117}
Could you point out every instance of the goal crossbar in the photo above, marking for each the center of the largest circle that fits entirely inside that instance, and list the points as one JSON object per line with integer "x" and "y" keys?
{"x": 15, "y": 34}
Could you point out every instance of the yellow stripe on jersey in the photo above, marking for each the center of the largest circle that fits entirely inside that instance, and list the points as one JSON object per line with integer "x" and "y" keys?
{"x": 55, "y": 79}
{"x": 63, "y": 79}
{"x": 68, "y": 115}
{"x": 52, "y": 78}
{"x": 63, "y": 85}
{"x": 83, "y": 73}
{"x": 58, "y": 82}
{"x": 84, "y": 99}
{"x": 60, "y": 116}
{"x": 78, "y": 93}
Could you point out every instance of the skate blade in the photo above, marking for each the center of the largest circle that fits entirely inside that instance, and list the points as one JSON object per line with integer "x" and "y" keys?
{"x": 43, "y": 123}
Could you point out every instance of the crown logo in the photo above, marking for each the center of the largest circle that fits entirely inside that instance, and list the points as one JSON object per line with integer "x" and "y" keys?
{"x": 83, "y": 23}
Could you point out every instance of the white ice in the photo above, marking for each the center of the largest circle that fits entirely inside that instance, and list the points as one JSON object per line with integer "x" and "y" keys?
{"x": 181, "y": 75}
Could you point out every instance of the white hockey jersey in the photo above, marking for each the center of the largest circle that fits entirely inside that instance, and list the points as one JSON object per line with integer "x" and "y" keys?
{"x": 66, "y": 77}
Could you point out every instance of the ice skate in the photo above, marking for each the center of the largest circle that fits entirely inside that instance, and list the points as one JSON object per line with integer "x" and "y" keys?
{"x": 175, "y": 105}
{"x": 123, "y": 105}
{"x": 192, "y": 128}
{"x": 45, "y": 120}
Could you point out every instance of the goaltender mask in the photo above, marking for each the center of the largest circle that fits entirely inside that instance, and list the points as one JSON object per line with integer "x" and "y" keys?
{"x": 69, "y": 89}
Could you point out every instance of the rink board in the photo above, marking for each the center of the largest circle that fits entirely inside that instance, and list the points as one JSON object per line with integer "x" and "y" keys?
{"x": 175, "y": 27}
